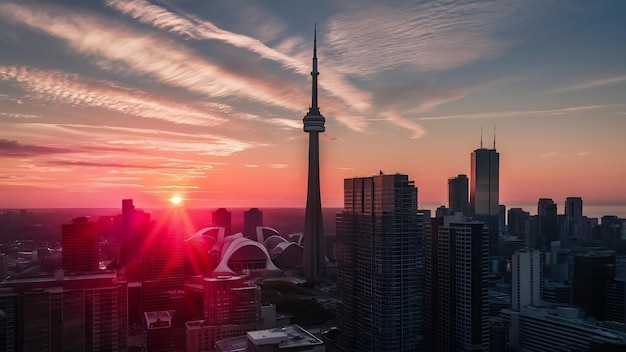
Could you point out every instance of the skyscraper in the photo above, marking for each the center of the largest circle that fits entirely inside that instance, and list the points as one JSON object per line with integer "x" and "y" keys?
{"x": 456, "y": 306}
{"x": 135, "y": 224}
{"x": 313, "y": 263}
{"x": 485, "y": 181}
{"x": 526, "y": 278}
{"x": 71, "y": 313}
{"x": 485, "y": 191}
{"x": 591, "y": 272}
{"x": 81, "y": 243}
{"x": 222, "y": 218}
{"x": 162, "y": 264}
{"x": 379, "y": 264}
{"x": 251, "y": 219}
{"x": 458, "y": 191}
{"x": 547, "y": 223}
{"x": 574, "y": 217}
{"x": 518, "y": 223}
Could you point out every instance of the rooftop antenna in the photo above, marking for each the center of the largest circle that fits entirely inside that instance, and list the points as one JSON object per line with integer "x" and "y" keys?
{"x": 494, "y": 137}
{"x": 481, "y": 136}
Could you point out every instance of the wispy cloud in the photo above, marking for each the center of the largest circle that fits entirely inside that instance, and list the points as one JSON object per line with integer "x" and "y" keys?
{"x": 154, "y": 139}
{"x": 120, "y": 48}
{"x": 397, "y": 119}
{"x": 18, "y": 115}
{"x": 73, "y": 162}
{"x": 15, "y": 149}
{"x": 550, "y": 154}
{"x": 426, "y": 35}
{"x": 592, "y": 84}
{"x": 193, "y": 27}
{"x": 521, "y": 113}
{"x": 71, "y": 89}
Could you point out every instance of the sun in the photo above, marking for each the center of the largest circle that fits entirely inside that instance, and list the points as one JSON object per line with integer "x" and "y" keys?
{"x": 176, "y": 200}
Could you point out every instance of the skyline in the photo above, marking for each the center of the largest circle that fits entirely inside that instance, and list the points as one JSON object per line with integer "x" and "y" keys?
{"x": 151, "y": 100}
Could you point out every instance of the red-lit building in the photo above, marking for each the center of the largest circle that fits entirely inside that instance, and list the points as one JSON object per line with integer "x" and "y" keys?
{"x": 80, "y": 241}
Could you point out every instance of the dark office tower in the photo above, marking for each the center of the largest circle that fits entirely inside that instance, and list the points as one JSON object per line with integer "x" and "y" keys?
{"x": 518, "y": 223}
{"x": 80, "y": 246}
{"x": 458, "y": 191}
{"x": 614, "y": 295}
{"x": 251, "y": 219}
{"x": 126, "y": 242}
{"x": 502, "y": 219}
{"x": 485, "y": 180}
{"x": 547, "y": 223}
{"x": 162, "y": 265}
{"x": 592, "y": 271}
{"x": 456, "y": 306}
{"x": 72, "y": 313}
{"x": 442, "y": 211}
{"x": 380, "y": 267}
{"x": 611, "y": 229}
{"x": 134, "y": 226}
{"x": 484, "y": 191}
{"x": 313, "y": 263}
{"x": 574, "y": 217}
{"x": 222, "y": 218}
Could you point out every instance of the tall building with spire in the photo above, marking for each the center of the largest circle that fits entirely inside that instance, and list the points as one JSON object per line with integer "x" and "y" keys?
{"x": 485, "y": 190}
{"x": 313, "y": 265}
{"x": 485, "y": 180}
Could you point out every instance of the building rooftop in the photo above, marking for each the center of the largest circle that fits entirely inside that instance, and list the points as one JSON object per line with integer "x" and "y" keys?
{"x": 282, "y": 339}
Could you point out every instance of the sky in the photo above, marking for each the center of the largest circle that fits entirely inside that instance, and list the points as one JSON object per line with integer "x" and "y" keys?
{"x": 104, "y": 100}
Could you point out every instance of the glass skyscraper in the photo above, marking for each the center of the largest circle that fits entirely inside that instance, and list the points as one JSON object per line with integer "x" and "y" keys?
{"x": 485, "y": 192}
{"x": 380, "y": 266}
{"x": 485, "y": 182}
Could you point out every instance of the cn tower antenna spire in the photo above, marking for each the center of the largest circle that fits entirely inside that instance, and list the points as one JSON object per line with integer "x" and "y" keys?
{"x": 314, "y": 107}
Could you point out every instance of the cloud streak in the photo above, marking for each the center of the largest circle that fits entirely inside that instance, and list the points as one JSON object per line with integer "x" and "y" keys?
{"x": 114, "y": 46}
{"x": 151, "y": 139}
{"x": 592, "y": 84}
{"x": 429, "y": 36}
{"x": 14, "y": 148}
{"x": 397, "y": 119}
{"x": 190, "y": 26}
{"x": 71, "y": 89}
{"x": 521, "y": 113}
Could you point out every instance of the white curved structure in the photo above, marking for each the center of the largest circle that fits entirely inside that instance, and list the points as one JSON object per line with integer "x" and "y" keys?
{"x": 273, "y": 241}
{"x": 231, "y": 246}
{"x": 205, "y": 233}
{"x": 264, "y": 232}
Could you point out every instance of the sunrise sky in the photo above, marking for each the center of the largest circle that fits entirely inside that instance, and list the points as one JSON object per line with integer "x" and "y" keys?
{"x": 104, "y": 100}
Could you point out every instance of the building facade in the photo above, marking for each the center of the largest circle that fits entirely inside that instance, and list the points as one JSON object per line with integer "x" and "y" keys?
{"x": 72, "y": 313}
{"x": 380, "y": 267}
{"x": 81, "y": 244}
{"x": 232, "y": 307}
{"x": 526, "y": 278}
{"x": 456, "y": 286}
{"x": 458, "y": 192}
{"x": 251, "y": 220}
{"x": 485, "y": 182}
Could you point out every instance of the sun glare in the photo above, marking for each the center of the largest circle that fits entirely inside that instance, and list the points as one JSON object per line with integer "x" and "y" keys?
{"x": 176, "y": 200}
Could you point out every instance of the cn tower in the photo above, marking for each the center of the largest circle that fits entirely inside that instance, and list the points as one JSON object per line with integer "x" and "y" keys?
{"x": 313, "y": 264}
